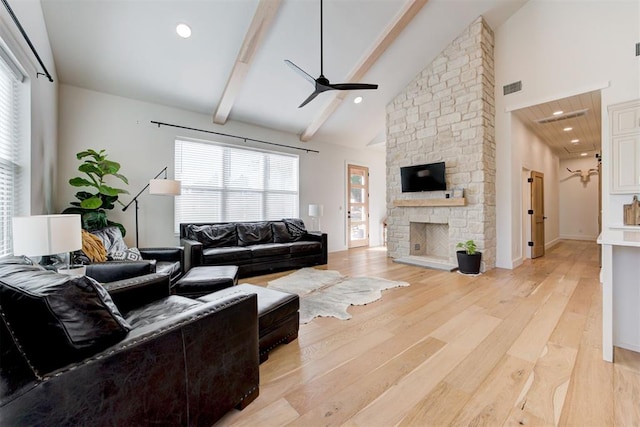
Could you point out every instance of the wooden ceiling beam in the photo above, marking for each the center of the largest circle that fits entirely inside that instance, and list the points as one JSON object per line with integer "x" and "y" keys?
{"x": 393, "y": 30}
{"x": 262, "y": 21}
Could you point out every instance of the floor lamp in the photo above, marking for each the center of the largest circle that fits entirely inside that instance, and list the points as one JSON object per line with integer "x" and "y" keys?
{"x": 161, "y": 187}
{"x": 40, "y": 235}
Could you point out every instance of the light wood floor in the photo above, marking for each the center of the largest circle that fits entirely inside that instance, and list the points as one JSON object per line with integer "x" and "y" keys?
{"x": 510, "y": 347}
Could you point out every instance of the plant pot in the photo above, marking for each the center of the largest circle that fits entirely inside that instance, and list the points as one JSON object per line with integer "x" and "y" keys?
{"x": 469, "y": 264}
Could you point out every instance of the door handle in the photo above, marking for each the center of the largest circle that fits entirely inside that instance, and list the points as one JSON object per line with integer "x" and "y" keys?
{"x": 544, "y": 217}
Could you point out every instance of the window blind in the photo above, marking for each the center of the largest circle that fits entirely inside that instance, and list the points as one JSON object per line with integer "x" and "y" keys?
{"x": 224, "y": 183}
{"x": 9, "y": 146}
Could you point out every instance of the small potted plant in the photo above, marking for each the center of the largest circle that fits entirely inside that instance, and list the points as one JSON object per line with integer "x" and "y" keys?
{"x": 469, "y": 258}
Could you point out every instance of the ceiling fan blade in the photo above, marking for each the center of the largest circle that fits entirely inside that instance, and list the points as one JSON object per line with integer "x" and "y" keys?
{"x": 353, "y": 86}
{"x": 300, "y": 71}
{"x": 309, "y": 99}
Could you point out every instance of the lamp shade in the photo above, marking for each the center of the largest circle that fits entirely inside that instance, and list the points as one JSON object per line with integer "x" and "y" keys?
{"x": 46, "y": 234}
{"x": 167, "y": 187}
{"x": 316, "y": 210}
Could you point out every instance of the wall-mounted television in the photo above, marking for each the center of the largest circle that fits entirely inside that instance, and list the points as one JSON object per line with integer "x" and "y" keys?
{"x": 428, "y": 177}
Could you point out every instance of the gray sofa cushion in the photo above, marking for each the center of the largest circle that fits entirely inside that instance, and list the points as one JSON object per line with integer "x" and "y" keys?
{"x": 57, "y": 319}
{"x": 214, "y": 236}
{"x": 254, "y": 233}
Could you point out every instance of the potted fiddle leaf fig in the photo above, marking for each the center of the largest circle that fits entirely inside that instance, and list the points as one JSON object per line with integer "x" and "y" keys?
{"x": 469, "y": 258}
{"x": 93, "y": 205}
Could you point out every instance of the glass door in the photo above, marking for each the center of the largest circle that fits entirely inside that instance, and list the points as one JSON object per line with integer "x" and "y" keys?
{"x": 358, "y": 209}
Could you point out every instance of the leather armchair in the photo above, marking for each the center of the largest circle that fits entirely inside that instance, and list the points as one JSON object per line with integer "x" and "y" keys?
{"x": 184, "y": 362}
{"x": 168, "y": 260}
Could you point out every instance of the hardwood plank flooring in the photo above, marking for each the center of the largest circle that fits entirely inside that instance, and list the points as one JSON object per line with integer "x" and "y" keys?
{"x": 509, "y": 347}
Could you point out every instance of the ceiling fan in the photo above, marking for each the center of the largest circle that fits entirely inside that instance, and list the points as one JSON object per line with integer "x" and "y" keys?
{"x": 322, "y": 84}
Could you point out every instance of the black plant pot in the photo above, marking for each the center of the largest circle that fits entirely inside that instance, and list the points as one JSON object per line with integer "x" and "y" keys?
{"x": 469, "y": 264}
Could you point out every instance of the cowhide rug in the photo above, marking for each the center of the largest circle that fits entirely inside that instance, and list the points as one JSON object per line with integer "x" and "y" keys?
{"x": 327, "y": 293}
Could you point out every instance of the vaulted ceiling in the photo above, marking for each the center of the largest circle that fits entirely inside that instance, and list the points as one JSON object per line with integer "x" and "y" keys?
{"x": 232, "y": 67}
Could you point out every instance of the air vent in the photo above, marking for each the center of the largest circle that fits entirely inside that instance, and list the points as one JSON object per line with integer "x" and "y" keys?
{"x": 512, "y": 87}
{"x": 637, "y": 49}
{"x": 570, "y": 115}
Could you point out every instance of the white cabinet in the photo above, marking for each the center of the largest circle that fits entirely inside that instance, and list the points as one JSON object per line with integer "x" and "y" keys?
{"x": 625, "y": 147}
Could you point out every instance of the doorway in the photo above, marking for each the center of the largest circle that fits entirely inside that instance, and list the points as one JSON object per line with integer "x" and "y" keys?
{"x": 358, "y": 206}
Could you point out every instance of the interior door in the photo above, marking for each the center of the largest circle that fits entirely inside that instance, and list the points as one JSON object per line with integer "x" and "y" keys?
{"x": 537, "y": 218}
{"x": 358, "y": 209}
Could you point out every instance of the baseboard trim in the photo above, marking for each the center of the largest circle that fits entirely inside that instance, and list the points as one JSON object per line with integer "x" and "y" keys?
{"x": 578, "y": 237}
{"x": 551, "y": 243}
{"x": 627, "y": 346}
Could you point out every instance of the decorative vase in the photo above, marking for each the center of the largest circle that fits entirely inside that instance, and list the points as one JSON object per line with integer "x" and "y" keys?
{"x": 469, "y": 264}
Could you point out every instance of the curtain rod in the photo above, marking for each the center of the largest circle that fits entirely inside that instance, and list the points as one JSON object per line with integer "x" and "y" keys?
{"x": 233, "y": 136}
{"x": 26, "y": 37}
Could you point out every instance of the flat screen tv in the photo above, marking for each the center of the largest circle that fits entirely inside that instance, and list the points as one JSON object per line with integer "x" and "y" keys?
{"x": 429, "y": 177}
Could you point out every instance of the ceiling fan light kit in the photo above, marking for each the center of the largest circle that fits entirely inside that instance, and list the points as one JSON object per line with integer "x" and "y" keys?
{"x": 321, "y": 83}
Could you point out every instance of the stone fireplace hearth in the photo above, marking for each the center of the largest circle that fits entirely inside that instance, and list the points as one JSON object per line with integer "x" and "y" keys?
{"x": 446, "y": 114}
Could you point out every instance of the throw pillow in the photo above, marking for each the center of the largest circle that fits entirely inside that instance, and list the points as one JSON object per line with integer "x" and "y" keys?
{"x": 254, "y": 233}
{"x": 112, "y": 239}
{"x": 214, "y": 236}
{"x": 57, "y": 319}
{"x": 296, "y": 227}
{"x": 93, "y": 247}
{"x": 131, "y": 254}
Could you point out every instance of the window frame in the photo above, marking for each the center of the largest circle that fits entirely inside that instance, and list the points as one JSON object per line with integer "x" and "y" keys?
{"x": 224, "y": 190}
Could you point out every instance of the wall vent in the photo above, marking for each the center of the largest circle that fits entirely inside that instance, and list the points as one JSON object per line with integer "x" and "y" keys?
{"x": 512, "y": 87}
{"x": 571, "y": 115}
{"x": 637, "y": 49}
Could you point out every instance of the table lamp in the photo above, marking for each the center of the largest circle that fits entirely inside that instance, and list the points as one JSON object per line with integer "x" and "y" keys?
{"x": 40, "y": 235}
{"x": 315, "y": 212}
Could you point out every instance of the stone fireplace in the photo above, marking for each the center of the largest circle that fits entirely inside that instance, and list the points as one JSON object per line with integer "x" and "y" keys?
{"x": 445, "y": 114}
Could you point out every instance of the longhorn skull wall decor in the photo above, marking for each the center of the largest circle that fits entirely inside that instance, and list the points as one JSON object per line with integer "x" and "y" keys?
{"x": 584, "y": 174}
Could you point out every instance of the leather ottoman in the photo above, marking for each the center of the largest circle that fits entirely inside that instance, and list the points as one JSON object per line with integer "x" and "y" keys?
{"x": 203, "y": 280}
{"x": 278, "y": 316}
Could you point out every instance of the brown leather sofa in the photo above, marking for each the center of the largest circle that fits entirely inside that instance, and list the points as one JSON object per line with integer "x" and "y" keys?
{"x": 73, "y": 352}
{"x": 255, "y": 247}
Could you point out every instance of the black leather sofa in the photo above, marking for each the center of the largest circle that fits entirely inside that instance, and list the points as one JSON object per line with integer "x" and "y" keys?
{"x": 73, "y": 354}
{"x": 255, "y": 247}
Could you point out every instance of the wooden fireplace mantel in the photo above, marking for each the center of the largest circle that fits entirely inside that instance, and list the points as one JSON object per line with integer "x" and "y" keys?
{"x": 458, "y": 201}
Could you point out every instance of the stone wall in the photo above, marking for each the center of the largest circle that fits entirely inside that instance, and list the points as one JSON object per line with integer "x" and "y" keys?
{"x": 447, "y": 114}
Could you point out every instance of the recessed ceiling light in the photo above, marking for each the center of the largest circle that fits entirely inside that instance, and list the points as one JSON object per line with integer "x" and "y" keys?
{"x": 183, "y": 31}
{"x": 557, "y": 113}
{"x": 575, "y": 141}
{"x": 584, "y": 154}
{"x": 567, "y": 129}
{"x": 357, "y": 100}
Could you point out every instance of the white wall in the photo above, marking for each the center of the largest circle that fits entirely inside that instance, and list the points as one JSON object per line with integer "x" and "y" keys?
{"x": 90, "y": 119}
{"x": 578, "y": 200}
{"x": 559, "y": 48}
{"x": 537, "y": 156}
{"x": 40, "y": 156}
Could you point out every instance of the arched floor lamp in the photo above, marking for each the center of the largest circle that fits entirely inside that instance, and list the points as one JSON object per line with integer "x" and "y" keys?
{"x": 161, "y": 187}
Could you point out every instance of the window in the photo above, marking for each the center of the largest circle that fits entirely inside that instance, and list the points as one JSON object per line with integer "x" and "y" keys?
{"x": 224, "y": 183}
{"x": 10, "y": 116}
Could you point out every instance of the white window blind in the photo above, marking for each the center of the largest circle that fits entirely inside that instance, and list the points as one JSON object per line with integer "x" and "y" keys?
{"x": 224, "y": 183}
{"x": 9, "y": 151}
